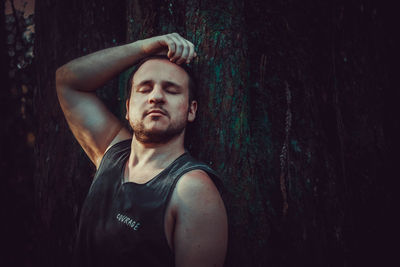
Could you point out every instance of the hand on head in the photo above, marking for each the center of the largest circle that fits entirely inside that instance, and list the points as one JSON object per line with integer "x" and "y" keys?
{"x": 175, "y": 47}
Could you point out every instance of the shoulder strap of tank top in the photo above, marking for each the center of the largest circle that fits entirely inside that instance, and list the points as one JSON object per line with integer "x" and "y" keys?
{"x": 114, "y": 153}
{"x": 187, "y": 164}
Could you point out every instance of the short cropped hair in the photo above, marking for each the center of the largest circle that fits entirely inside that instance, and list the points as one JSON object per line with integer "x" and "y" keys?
{"x": 192, "y": 81}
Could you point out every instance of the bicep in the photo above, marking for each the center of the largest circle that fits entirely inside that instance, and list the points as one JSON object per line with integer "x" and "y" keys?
{"x": 92, "y": 124}
{"x": 201, "y": 230}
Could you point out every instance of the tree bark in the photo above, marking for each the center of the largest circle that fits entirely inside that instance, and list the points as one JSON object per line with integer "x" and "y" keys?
{"x": 222, "y": 70}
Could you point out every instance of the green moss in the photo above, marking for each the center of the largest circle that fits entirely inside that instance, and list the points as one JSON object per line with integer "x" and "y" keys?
{"x": 295, "y": 145}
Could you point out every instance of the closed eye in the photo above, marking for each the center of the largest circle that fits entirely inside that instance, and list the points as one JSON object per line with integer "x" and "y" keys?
{"x": 172, "y": 90}
{"x": 144, "y": 89}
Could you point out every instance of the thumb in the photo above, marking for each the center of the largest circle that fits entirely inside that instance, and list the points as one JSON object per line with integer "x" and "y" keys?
{"x": 163, "y": 52}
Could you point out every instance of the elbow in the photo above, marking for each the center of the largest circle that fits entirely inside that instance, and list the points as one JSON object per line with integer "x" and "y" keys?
{"x": 66, "y": 78}
{"x": 60, "y": 75}
{"x": 61, "y": 78}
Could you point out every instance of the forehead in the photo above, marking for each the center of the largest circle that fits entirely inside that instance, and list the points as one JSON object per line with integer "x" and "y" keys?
{"x": 159, "y": 70}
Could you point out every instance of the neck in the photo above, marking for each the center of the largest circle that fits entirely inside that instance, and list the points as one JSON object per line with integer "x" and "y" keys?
{"x": 155, "y": 155}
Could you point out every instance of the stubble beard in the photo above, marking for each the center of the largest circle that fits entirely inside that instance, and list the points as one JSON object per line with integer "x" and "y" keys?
{"x": 148, "y": 136}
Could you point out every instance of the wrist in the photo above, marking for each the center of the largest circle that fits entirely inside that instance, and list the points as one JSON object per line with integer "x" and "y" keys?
{"x": 136, "y": 50}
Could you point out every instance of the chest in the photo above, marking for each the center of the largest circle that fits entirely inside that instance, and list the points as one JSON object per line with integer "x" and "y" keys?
{"x": 140, "y": 175}
{"x": 128, "y": 216}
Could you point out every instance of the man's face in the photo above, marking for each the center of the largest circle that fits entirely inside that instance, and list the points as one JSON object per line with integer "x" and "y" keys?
{"x": 158, "y": 108}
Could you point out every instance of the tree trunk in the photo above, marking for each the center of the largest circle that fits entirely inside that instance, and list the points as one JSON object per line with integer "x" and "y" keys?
{"x": 222, "y": 70}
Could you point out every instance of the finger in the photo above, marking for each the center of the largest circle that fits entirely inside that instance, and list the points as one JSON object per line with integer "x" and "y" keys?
{"x": 164, "y": 52}
{"x": 185, "y": 52}
{"x": 171, "y": 46}
{"x": 191, "y": 53}
{"x": 179, "y": 48}
{"x": 185, "y": 49}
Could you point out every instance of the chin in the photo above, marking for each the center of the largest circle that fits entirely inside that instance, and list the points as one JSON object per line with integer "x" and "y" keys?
{"x": 154, "y": 131}
{"x": 155, "y": 127}
{"x": 157, "y": 131}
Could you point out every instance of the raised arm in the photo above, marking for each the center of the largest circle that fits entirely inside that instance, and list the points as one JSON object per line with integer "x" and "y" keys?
{"x": 95, "y": 127}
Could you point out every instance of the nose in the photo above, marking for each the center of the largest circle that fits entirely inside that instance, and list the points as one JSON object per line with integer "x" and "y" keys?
{"x": 157, "y": 95}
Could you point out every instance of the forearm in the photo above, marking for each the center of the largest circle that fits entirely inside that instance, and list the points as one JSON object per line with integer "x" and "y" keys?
{"x": 89, "y": 72}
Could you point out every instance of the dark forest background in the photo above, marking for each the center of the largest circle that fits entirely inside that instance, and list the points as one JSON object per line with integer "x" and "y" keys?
{"x": 298, "y": 112}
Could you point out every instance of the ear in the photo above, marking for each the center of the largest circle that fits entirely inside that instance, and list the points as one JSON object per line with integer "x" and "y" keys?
{"x": 192, "y": 111}
{"x": 127, "y": 110}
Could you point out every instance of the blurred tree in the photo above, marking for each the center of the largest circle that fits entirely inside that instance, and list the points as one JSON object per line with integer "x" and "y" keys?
{"x": 293, "y": 114}
{"x": 17, "y": 138}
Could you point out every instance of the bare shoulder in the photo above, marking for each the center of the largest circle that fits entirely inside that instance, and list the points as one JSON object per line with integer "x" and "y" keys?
{"x": 197, "y": 184}
{"x": 196, "y": 194}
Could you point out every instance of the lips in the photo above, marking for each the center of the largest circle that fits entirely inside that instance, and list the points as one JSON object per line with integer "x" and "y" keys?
{"x": 156, "y": 111}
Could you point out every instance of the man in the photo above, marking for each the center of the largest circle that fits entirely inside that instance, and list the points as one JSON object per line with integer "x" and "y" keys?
{"x": 151, "y": 203}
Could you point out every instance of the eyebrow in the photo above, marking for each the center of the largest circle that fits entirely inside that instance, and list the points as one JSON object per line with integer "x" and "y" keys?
{"x": 163, "y": 83}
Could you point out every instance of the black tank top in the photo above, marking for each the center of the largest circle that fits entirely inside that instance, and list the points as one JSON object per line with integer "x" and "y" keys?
{"x": 122, "y": 223}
